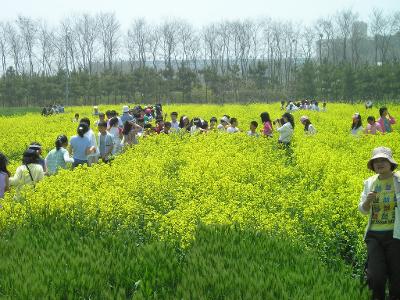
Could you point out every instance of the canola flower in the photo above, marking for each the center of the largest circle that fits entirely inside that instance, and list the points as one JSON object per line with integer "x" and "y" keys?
{"x": 167, "y": 185}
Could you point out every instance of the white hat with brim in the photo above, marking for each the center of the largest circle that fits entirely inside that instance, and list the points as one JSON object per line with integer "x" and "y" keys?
{"x": 125, "y": 109}
{"x": 225, "y": 119}
{"x": 381, "y": 152}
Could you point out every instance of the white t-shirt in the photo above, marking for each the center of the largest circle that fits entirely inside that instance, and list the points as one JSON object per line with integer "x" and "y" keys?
{"x": 175, "y": 126}
{"x": 357, "y": 131}
{"x": 311, "y": 129}
{"x": 250, "y": 133}
{"x": 285, "y": 132}
{"x": 93, "y": 142}
{"x": 221, "y": 127}
{"x": 231, "y": 129}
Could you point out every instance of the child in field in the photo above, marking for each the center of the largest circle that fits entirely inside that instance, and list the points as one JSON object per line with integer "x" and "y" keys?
{"x": 379, "y": 200}
{"x": 372, "y": 127}
{"x": 174, "y": 121}
{"x": 76, "y": 118}
{"x": 102, "y": 118}
{"x": 167, "y": 128}
{"x": 356, "y": 126}
{"x": 308, "y": 127}
{"x": 80, "y": 146}
{"x": 233, "y": 127}
{"x": 116, "y": 133}
{"x": 225, "y": 123}
{"x": 4, "y": 175}
{"x": 253, "y": 128}
{"x": 106, "y": 142}
{"x": 93, "y": 157}
{"x": 30, "y": 172}
{"x": 267, "y": 124}
{"x": 286, "y": 129}
{"x": 213, "y": 124}
{"x": 386, "y": 120}
{"x": 184, "y": 124}
{"x": 38, "y": 148}
{"x": 59, "y": 156}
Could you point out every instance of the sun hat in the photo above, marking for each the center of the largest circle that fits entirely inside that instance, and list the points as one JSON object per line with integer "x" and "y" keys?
{"x": 225, "y": 119}
{"x": 303, "y": 119}
{"x": 125, "y": 109}
{"x": 381, "y": 152}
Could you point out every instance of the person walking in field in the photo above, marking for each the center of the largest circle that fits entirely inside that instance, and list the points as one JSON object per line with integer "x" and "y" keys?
{"x": 286, "y": 129}
{"x": 174, "y": 121}
{"x": 81, "y": 146}
{"x": 58, "y": 157}
{"x": 356, "y": 125}
{"x": 29, "y": 173}
{"x": 267, "y": 124}
{"x": 379, "y": 200}
{"x": 116, "y": 133}
{"x": 4, "y": 175}
{"x": 93, "y": 157}
{"x": 308, "y": 127}
{"x": 106, "y": 142}
{"x": 373, "y": 127}
{"x": 385, "y": 120}
{"x": 253, "y": 129}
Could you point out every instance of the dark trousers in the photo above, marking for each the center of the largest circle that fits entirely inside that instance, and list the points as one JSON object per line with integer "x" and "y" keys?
{"x": 383, "y": 264}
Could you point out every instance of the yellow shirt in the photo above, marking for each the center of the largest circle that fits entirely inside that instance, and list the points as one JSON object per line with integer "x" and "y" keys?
{"x": 383, "y": 207}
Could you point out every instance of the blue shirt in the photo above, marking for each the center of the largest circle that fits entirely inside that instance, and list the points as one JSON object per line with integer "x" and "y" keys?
{"x": 126, "y": 117}
{"x": 79, "y": 146}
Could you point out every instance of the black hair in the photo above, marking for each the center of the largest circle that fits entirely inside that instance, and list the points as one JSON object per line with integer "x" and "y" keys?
{"x": 82, "y": 129}
{"x": 358, "y": 123}
{"x": 254, "y": 123}
{"x": 76, "y": 115}
{"x": 307, "y": 124}
{"x": 61, "y": 140}
{"x": 181, "y": 121}
{"x": 3, "y": 164}
{"x": 85, "y": 120}
{"x": 265, "y": 117}
{"x": 30, "y": 156}
{"x": 102, "y": 114}
{"x": 148, "y": 126}
{"x": 234, "y": 120}
{"x": 102, "y": 124}
{"x": 113, "y": 121}
{"x": 35, "y": 146}
{"x": 289, "y": 117}
{"x": 213, "y": 119}
{"x": 174, "y": 113}
{"x": 371, "y": 118}
{"x": 382, "y": 110}
{"x": 127, "y": 128}
{"x": 167, "y": 124}
{"x": 204, "y": 124}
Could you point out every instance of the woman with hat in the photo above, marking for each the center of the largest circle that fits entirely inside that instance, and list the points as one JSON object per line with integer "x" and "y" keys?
{"x": 356, "y": 125}
{"x": 30, "y": 172}
{"x": 379, "y": 201}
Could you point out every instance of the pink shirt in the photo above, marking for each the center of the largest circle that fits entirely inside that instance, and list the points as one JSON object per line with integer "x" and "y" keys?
{"x": 372, "y": 129}
{"x": 267, "y": 130}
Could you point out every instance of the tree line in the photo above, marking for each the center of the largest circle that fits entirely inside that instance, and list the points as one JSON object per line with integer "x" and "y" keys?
{"x": 89, "y": 59}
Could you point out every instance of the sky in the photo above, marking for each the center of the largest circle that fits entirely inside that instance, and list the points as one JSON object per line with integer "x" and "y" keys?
{"x": 198, "y": 13}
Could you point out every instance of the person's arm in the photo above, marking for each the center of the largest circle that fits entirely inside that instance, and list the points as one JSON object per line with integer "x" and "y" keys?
{"x": 366, "y": 198}
{"x": 16, "y": 179}
{"x": 67, "y": 158}
{"x": 378, "y": 127}
{"x": 90, "y": 150}
{"x": 7, "y": 187}
{"x": 391, "y": 119}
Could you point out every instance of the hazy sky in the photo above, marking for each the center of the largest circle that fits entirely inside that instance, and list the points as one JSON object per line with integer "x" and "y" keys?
{"x": 197, "y": 12}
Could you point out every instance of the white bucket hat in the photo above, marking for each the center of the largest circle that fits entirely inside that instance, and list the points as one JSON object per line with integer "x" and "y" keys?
{"x": 381, "y": 152}
{"x": 125, "y": 109}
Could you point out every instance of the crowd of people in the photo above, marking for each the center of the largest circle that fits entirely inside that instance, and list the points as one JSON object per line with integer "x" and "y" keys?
{"x": 383, "y": 125}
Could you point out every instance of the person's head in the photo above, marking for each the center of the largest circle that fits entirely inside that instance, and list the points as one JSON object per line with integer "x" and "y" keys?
{"x": 167, "y": 126}
{"x": 102, "y": 127}
{"x": 113, "y": 122}
{"x": 30, "y": 157}
{"x": 160, "y": 122}
{"x": 287, "y": 117}
{"x": 3, "y": 164}
{"x": 196, "y": 122}
{"x": 265, "y": 117}
{"x": 357, "y": 121}
{"x": 82, "y": 129}
{"x": 383, "y": 111}
{"x": 371, "y": 120}
{"x": 127, "y": 127}
{"x": 234, "y": 122}
{"x": 108, "y": 114}
{"x": 76, "y": 116}
{"x": 36, "y": 146}
{"x": 183, "y": 122}
{"x": 253, "y": 125}
{"x": 125, "y": 109}
{"x": 382, "y": 161}
{"x": 305, "y": 121}
{"x": 174, "y": 116}
{"x": 225, "y": 120}
{"x": 86, "y": 121}
{"x": 61, "y": 141}
{"x": 102, "y": 116}
{"x": 324, "y": 104}
{"x": 213, "y": 121}
{"x": 114, "y": 113}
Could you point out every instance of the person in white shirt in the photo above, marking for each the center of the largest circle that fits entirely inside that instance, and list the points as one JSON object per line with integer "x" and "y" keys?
{"x": 233, "y": 127}
{"x": 286, "y": 129}
{"x": 308, "y": 127}
{"x": 356, "y": 126}
{"x": 93, "y": 157}
{"x": 225, "y": 122}
{"x": 174, "y": 121}
{"x": 291, "y": 107}
{"x": 253, "y": 128}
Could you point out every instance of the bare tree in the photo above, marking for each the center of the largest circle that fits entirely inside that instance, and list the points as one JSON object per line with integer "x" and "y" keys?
{"x": 110, "y": 35}
{"x": 86, "y": 28}
{"x": 15, "y": 45}
{"x": 345, "y": 20}
{"x": 169, "y": 42}
{"x": 47, "y": 47}
{"x": 3, "y": 47}
{"x": 28, "y": 29}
